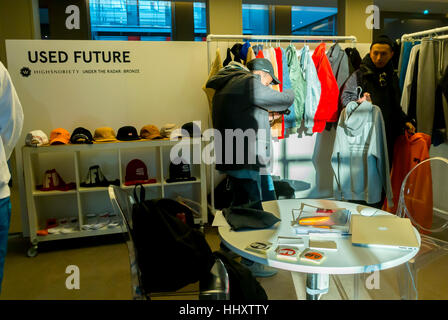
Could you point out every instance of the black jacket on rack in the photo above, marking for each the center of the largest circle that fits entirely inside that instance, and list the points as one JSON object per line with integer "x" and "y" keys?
{"x": 440, "y": 116}
{"x": 354, "y": 59}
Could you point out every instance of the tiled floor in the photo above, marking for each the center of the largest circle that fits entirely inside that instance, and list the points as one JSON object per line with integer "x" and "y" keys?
{"x": 104, "y": 274}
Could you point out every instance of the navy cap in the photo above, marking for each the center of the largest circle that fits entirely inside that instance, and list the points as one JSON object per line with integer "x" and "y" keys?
{"x": 265, "y": 65}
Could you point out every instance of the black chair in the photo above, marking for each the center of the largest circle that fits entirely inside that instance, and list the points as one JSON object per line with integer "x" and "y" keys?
{"x": 215, "y": 286}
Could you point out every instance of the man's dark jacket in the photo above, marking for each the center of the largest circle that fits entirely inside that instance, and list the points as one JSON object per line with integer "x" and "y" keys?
{"x": 241, "y": 101}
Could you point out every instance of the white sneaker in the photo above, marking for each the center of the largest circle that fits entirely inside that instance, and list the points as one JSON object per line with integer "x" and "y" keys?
{"x": 114, "y": 221}
{"x": 62, "y": 223}
{"x": 71, "y": 226}
{"x": 92, "y": 220}
{"x": 103, "y": 220}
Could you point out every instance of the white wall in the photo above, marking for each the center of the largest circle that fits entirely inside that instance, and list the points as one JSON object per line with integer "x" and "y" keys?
{"x": 167, "y": 88}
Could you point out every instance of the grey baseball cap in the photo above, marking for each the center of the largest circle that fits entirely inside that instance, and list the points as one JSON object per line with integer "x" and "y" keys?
{"x": 265, "y": 65}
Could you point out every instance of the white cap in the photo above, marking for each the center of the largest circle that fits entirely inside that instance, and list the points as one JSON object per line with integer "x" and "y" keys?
{"x": 36, "y": 138}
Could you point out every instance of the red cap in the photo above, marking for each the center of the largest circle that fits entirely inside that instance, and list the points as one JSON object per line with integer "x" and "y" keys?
{"x": 136, "y": 172}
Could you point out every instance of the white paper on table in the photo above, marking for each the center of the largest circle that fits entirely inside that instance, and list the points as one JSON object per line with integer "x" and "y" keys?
{"x": 219, "y": 220}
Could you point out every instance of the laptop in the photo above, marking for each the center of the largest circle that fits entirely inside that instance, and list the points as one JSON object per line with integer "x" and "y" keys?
{"x": 383, "y": 231}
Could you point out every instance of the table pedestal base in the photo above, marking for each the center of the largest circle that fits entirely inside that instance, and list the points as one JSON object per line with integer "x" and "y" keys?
{"x": 316, "y": 284}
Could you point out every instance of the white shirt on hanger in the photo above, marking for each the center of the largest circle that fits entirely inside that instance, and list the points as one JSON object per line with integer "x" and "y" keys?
{"x": 406, "y": 95}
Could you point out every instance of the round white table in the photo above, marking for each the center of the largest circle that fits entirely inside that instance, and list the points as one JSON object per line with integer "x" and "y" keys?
{"x": 348, "y": 259}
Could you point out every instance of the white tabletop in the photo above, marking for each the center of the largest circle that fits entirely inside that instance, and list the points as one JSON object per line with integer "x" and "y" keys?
{"x": 348, "y": 259}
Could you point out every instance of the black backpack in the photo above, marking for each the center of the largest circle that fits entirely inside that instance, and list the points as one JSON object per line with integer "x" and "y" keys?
{"x": 170, "y": 253}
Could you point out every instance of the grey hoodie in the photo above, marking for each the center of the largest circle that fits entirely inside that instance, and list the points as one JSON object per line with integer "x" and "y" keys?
{"x": 241, "y": 101}
{"x": 339, "y": 64}
{"x": 360, "y": 160}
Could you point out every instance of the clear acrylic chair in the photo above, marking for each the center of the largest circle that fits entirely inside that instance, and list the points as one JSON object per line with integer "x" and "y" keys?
{"x": 213, "y": 286}
{"x": 422, "y": 197}
{"x": 122, "y": 205}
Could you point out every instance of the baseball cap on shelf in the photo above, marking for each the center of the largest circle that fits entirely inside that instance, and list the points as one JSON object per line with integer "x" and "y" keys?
{"x": 180, "y": 172}
{"x": 59, "y": 136}
{"x": 193, "y": 129}
{"x": 104, "y": 134}
{"x": 53, "y": 181}
{"x": 96, "y": 178}
{"x": 127, "y": 133}
{"x": 81, "y": 136}
{"x": 150, "y": 132}
{"x": 265, "y": 65}
{"x": 168, "y": 129}
{"x": 136, "y": 173}
{"x": 36, "y": 138}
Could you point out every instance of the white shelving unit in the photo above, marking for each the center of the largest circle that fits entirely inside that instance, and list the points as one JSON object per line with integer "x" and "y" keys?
{"x": 72, "y": 163}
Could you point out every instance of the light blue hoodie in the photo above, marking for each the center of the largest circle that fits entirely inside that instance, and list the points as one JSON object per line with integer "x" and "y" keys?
{"x": 290, "y": 119}
{"x": 360, "y": 161}
{"x": 313, "y": 88}
{"x": 297, "y": 83}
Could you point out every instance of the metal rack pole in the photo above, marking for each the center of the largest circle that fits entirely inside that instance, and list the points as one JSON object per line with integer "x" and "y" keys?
{"x": 441, "y": 37}
{"x": 213, "y": 37}
{"x": 422, "y": 33}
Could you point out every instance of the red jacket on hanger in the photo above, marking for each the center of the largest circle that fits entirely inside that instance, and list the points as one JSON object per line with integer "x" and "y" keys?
{"x": 410, "y": 150}
{"x": 278, "y": 55}
{"x": 327, "y": 110}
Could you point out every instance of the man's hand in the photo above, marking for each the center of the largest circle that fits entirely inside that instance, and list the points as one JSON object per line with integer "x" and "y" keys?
{"x": 365, "y": 97}
{"x": 410, "y": 128}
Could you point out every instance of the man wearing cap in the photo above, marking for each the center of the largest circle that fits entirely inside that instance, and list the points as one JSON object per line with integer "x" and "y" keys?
{"x": 11, "y": 123}
{"x": 379, "y": 84}
{"x": 242, "y": 102}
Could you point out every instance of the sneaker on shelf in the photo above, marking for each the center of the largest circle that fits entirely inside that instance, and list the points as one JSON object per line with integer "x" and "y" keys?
{"x": 92, "y": 220}
{"x": 71, "y": 226}
{"x": 42, "y": 232}
{"x": 103, "y": 221}
{"x": 50, "y": 224}
{"x": 114, "y": 221}
{"x": 258, "y": 270}
{"x": 62, "y": 223}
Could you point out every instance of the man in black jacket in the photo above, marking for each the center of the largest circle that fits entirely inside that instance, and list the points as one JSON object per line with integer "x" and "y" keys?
{"x": 241, "y": 106}
{"x": 377, "y": 82}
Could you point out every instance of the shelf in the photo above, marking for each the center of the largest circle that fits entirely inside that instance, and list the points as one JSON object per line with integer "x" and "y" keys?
{"x": 41, "y": 204}
{"x": 82, "y": 233}
{"x": 158, "y": 184}
{"x": 38, "y": 193}
{"x": 108, "y": 146}
{"x": 181, "y": 182}
{"x": 92, "y": 189}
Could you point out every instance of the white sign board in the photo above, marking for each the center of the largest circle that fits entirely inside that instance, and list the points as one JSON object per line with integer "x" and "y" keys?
{"x": 92, "y": 84}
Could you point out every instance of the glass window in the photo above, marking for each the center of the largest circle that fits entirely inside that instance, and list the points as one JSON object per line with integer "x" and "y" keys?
{"x": 130, "y": 20}
{"x": 200, "y": 21}
{"x": 255, "y": 19}
{"x": 313, "y": 20}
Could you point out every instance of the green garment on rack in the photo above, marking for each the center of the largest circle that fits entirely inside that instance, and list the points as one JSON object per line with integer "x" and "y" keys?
{"x": 298, "y": 83}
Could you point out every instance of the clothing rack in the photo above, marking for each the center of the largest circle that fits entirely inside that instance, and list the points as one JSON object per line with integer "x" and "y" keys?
{"x": 214, "y": 37}
{"x": 441, "y": 37}
{"x": 429, "y": 32}
{"x": 424, "y": 33}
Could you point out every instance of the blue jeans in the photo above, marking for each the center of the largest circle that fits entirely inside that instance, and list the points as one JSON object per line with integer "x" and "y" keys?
{"x": 248, "y": 190}
{"x": 5, "y": 218}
